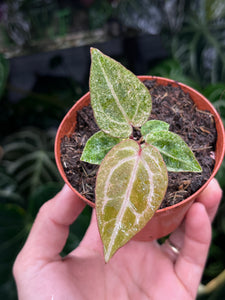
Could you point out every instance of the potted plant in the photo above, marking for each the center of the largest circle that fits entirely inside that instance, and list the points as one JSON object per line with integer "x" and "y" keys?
{"x": 134, "y": 153}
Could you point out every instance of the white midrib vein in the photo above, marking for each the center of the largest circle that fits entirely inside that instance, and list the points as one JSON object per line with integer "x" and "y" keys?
{"x": 150, "y": 176}
{"x": 114, "y": 93}
{"x": 106, "y": 198}
{"x": 151, "y": 191}
{"x": 122, "y": 209}
{"x": 112, "y": 169}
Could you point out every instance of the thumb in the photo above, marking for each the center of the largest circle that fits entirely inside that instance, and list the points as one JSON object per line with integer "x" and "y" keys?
{"x": 191, "y": 260}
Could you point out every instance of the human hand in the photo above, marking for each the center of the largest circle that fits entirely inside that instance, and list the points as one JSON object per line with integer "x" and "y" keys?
{"x": 139, "y": 270}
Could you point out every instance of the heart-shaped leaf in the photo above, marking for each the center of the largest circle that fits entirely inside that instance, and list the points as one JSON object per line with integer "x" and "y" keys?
{"x": 176, "y": 153}
{"x": 130, "y": 186}
{"x": 97, "y": 147}
{"x": 153, "y": 125}
{"x": 118, "y": 98}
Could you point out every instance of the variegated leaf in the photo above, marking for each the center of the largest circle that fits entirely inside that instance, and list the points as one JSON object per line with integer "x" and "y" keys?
{"x": 176, "y": 153}
{"x": 97, "y": 146}
{"x": 118, "y": 98}
{"x": 153, "y": 125}
{"x": 130, "y": 186}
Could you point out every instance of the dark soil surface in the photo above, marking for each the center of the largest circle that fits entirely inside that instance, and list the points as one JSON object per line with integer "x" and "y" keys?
{"x": 169, "y": 104}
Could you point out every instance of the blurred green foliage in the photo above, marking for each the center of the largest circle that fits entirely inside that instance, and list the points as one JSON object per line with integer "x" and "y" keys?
{"x": 4, "y": 70}
{"x": 194, "y": 34}
{"x": 28, "y": 173}
{"x": 200, "y": 45}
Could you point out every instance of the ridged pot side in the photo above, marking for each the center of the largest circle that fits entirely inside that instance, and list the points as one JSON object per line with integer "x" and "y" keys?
{"x": 167, "y": 219}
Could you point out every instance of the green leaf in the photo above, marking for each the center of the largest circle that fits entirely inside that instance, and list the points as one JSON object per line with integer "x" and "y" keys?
{"x": 28, "y": 157}
{"x": 176, "y": 153}
{"x": 97, "y": 147}
{"x": 130, "y": 186}
{"x": 118, "y": 98}
{"x": 4, "y": 71}
{"x": 13, "y": 231}
{"x": 153, "y": 125}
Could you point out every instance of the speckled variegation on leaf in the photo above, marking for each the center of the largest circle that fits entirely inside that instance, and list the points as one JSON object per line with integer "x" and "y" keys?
{"x": 132, "y": 178}
{"x": 177, "y": 155}
{"x": 152, "y": 126}
{"x": 119, "y": 99}
{"x": 130, "y": 186}
{"x": 101, "y": 143}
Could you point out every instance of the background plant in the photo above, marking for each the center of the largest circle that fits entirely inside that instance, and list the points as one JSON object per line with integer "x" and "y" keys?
{"x": 195, "y": 58}
{"x": 28, "y": 173}
{"x": 4, "y": 70}
{"x": 29, "y": 177}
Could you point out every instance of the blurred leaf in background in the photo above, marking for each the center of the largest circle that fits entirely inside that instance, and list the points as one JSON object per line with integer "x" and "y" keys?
{"x": 99, "y": 13}
{"x": 193, "y": 31}
{"x": 216, "y": 94}
{"x": 12, "y": 234}
{"x": 15, "y": 27}
{"x": 4, "y": 71}
{"x": 29, "y": 159}
{"x": 28, "y": 178}
{"x": 146, "y": 16}
{"x": 171, "y": 68}
{"x": 200, "y": 44}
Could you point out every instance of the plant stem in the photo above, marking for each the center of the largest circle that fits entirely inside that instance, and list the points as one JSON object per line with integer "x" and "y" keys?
{"x": 213, "y": 284}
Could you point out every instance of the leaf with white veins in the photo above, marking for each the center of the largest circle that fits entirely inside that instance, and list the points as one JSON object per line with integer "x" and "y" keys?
{"x": 97, "y": 146}
{"x": 176, "y": 153}
{"x": 118, "y": 98}
{"x": 131, "y": 183}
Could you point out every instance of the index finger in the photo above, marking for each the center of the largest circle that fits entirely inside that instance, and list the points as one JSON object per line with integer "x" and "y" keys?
{"x": 196, "y": 237}
{"x": 210, "y": 198}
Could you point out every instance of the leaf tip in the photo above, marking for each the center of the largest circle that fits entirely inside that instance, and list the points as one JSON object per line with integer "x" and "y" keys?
{"x": 94, "y": 51}
{"x": 107, "y": 257}
{"x": 109, "y": 254}
{"x": 198, "y": 168}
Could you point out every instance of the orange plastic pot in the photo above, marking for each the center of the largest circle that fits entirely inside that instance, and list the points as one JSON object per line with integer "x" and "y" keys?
{"x": 167, "y": 219}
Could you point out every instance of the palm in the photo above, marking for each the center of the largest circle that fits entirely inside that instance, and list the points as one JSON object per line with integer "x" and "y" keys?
{"x": 88, "y": 277}
{"x": 139, "y": 270}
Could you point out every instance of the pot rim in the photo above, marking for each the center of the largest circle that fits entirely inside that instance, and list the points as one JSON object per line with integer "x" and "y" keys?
{"x": 161, "y": 80}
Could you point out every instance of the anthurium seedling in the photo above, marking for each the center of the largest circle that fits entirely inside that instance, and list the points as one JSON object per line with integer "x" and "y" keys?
{"x": 133, "y": 175}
